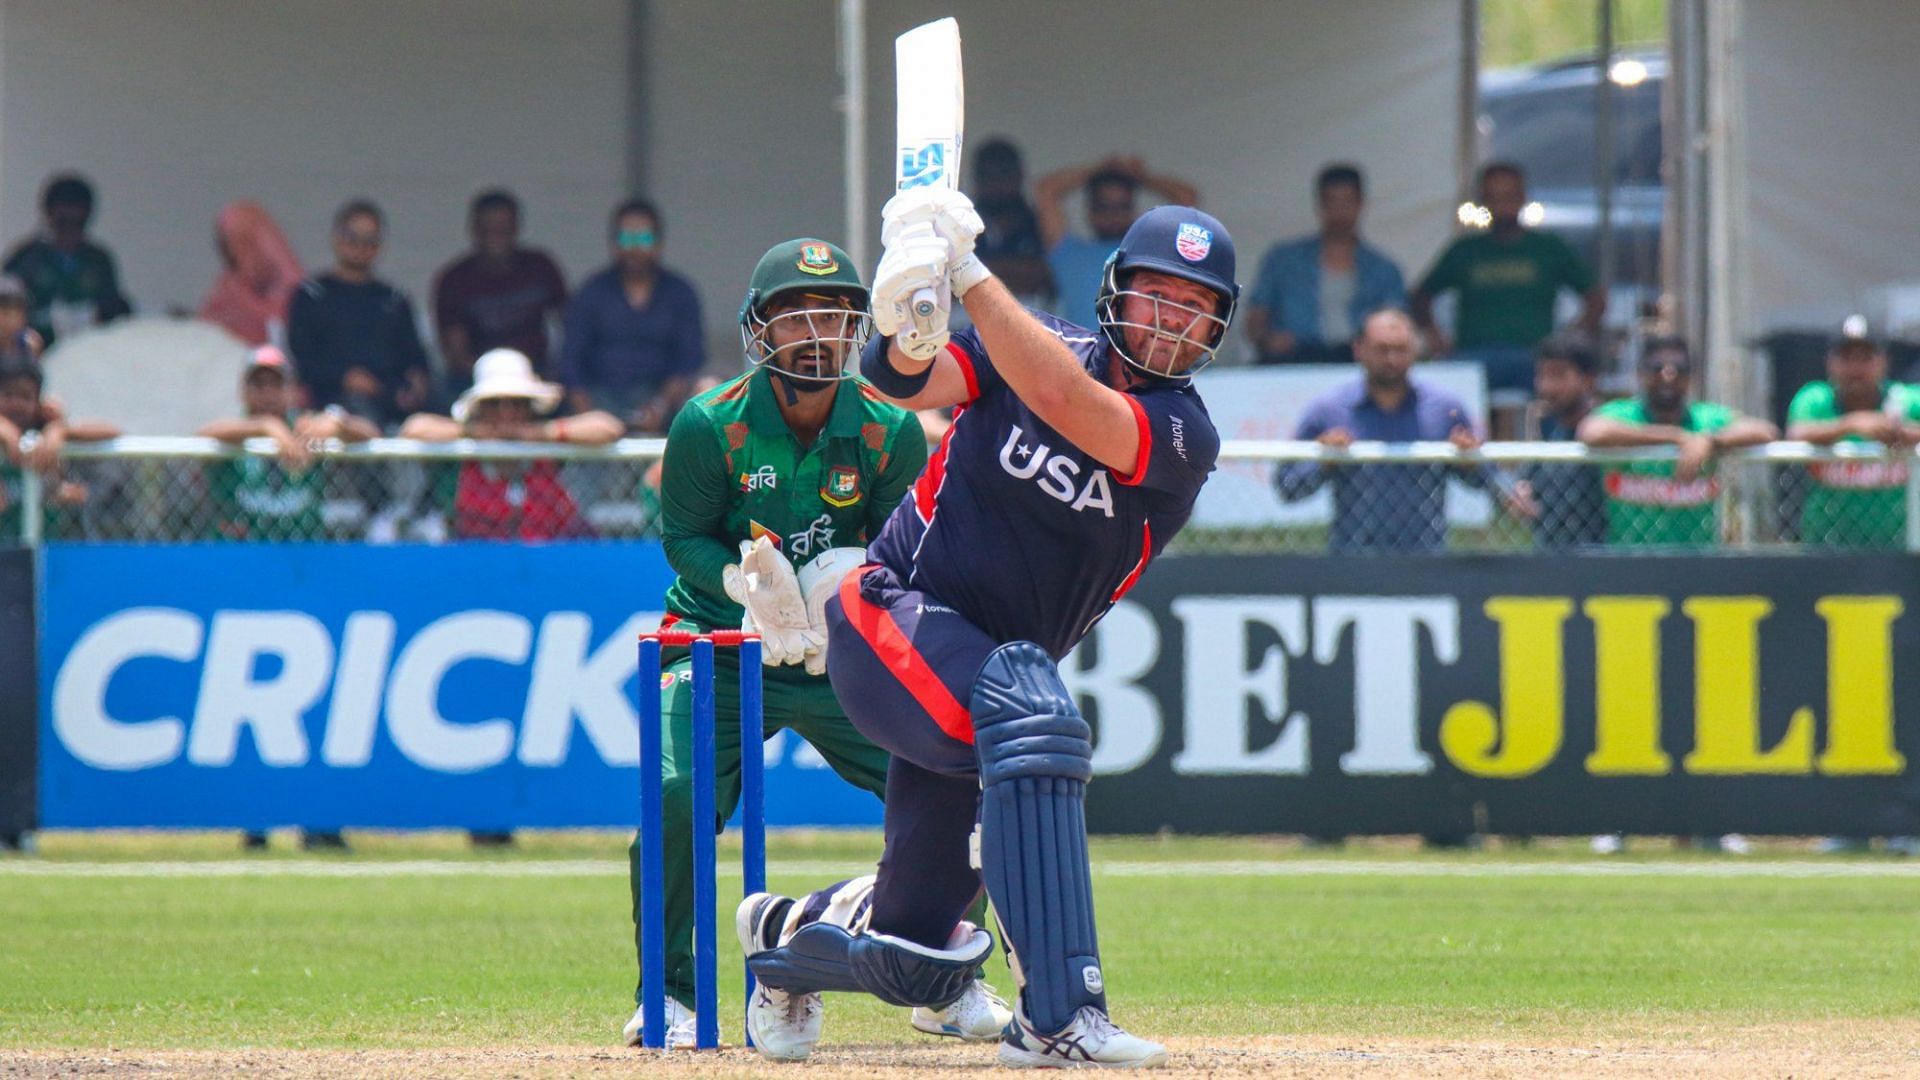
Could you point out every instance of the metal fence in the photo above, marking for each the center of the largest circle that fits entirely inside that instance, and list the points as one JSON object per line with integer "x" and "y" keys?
{"x": 1267, "y": 496}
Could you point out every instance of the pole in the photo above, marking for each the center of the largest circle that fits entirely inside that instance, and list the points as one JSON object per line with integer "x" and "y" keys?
{"x": 1604, "y": 173}
{"x": 1466, "y": 153}
{"x": 853, "y": 108}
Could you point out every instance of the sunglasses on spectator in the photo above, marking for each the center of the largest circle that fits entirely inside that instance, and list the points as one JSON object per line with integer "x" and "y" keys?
{"x": 1110, "y": 207}
{"x": 636, "y": 239}
{"x": 362, "y": 239}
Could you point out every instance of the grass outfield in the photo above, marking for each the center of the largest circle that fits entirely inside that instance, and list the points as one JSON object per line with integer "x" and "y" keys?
{"x": 164, "y": 942}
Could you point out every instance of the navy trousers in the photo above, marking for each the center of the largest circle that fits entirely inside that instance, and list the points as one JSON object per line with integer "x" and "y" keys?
{"x": 903, "y": 666}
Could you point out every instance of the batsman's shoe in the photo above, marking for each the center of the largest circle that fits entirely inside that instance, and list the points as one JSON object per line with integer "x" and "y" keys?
{"x": 1091, "y": 1041}
{"x": 680, "y": 1034}
{"x": 783, "y": 1026}
{"x": 978, "y": 1016}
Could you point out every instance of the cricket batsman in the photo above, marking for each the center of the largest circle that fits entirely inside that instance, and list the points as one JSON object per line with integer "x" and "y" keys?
{"x": 795, "y": 464}
{"x": 1075, "y": 458}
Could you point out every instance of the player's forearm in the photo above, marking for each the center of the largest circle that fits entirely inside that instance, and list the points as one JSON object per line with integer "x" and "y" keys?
{"x": 240, "y": 429}
{"x": 1819, "y": 433}
{"x": 1037, "y": 365}
{"x": 1173, "y": 189}
{"x": 1746, "y": 431}
{"x": 1597, "y": 431}
{"x": 1593, "y": 308}
{"x": 92, "y": 431}
{"x": 700, "y": 560}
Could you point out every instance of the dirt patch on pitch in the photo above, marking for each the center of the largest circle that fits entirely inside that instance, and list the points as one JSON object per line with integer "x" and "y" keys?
{"x": 1850, "y": 1049}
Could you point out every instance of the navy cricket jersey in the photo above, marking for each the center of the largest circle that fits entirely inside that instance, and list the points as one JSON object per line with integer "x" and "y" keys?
{"x": 1020, "y": 532}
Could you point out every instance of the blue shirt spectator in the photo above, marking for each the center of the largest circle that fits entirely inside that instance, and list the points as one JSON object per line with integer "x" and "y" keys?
{"x": 633, "y": 341}
{"x": 1077, "y": 261}
{"x": 1379, "y": 507}
{"x": 1312, "y": 292}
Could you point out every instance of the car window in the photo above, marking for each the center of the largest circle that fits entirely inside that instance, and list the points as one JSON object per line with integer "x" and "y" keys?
{"x": 1550, "y": 133}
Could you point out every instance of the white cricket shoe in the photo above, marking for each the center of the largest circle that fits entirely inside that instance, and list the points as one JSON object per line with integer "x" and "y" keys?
{"x": 783, "y": 1026}
{"x": 1091, "y": 1041}
{"x": 680, "y": 1034}
{"x": 978, "y": 1016}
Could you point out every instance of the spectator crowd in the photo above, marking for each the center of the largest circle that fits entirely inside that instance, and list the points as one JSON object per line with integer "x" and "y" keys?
{"x": 507, "y": 350}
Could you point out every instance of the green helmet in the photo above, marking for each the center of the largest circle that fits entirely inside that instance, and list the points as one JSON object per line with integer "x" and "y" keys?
{"x": 815, "y": 267}
{"x": 801, "y": 264}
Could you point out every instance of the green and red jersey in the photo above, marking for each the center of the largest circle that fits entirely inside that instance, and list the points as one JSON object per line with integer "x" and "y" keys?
{"x": 735, "y": 471}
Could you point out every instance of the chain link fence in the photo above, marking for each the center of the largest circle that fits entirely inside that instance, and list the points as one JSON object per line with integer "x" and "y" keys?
{"x": 1267, "y": 497}
{"x": 152, "y": 490}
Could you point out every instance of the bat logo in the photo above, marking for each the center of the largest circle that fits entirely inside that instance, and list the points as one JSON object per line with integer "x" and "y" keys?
{"x": 923, "y": 166}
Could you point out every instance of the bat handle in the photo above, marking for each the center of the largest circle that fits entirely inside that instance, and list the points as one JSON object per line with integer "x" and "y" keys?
{"x": 925, "y": 303}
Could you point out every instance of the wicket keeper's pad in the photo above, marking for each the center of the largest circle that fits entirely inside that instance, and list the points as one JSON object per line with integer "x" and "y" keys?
{"x": 1036, "y": 756}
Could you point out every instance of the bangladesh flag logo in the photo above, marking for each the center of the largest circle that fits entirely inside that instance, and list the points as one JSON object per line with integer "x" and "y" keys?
{"x": 817, "y": 259}
{"x": 842, "y": 488}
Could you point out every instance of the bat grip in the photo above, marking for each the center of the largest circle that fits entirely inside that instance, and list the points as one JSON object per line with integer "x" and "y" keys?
{"x": 925, "y": 303}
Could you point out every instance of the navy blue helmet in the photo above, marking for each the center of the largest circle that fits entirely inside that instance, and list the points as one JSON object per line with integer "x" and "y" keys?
{"x": 1185, "y": 243}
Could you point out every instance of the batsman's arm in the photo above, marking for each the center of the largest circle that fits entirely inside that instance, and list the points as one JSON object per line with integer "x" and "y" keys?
{"x": 938, "y": 383}
{"x": 693, "y": 503}
{"x": 1045, "y": 374}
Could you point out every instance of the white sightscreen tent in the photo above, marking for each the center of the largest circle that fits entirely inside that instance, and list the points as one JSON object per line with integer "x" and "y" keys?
{"x": 727, "y": 114}
{"x": 1831, "y": 148}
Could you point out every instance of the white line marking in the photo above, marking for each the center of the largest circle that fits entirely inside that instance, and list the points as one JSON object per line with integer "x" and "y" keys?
{"x": 828, "y": 870}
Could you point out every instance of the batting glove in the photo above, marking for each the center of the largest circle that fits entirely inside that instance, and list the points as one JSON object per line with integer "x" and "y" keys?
{"x": 953, "y": 218}
{"x": 914, "y": 261}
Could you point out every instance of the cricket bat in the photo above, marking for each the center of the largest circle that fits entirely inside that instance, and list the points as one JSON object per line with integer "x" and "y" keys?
{"x": 930, "y": 109}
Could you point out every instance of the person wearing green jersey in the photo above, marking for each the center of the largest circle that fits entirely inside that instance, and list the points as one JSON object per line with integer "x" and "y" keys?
{"x": 1507, "y": 278}
{"x": 771, "y": 486}
{"x": 1667, "y": 503}
{"x": 1856, "y": 503}
{"x": 261, "y": 499}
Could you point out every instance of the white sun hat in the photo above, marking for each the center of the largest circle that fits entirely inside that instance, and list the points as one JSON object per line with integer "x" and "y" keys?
{"x": 506, "y": 373}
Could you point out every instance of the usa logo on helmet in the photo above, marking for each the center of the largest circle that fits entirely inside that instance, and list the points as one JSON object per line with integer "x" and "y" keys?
{"x": 1193, "y": 242}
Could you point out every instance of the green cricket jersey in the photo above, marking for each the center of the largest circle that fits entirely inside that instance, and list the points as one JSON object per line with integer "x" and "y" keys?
{"x": 1854, "y": 503}
{"x": 735, "y": 471}
{"x": 1645, "y": 504}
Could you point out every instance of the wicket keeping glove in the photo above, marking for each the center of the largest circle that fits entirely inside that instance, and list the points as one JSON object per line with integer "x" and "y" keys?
{"x": 764, "y": 584}
{"x": 819, "y": 580}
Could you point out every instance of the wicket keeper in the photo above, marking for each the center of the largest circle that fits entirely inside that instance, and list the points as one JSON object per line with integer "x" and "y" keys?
{"x": 792, "y": 466}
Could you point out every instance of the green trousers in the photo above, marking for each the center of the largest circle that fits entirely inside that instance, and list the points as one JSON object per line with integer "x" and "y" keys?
{"x": 793, "y": 700}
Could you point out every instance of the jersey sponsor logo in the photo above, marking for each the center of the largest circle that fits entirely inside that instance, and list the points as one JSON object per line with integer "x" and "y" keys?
{"x": 817, "y": 259}
{"x": 1193, "y": 242}
{"x": 817, "y": 536}
{"x": 755, "y": 531}
{"x": 1055, "y": 474}
{"x": 1644, "y": 490}
{"x": 762, "y": 477}
{"x": 666, "y": 680}
{"x": 933, "y": 609}
{"x": 1179, "y": 430}
{"x": 923, "y": 166}
{"x": 842, "y": 488}
{"x": 1861, "y": 475}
